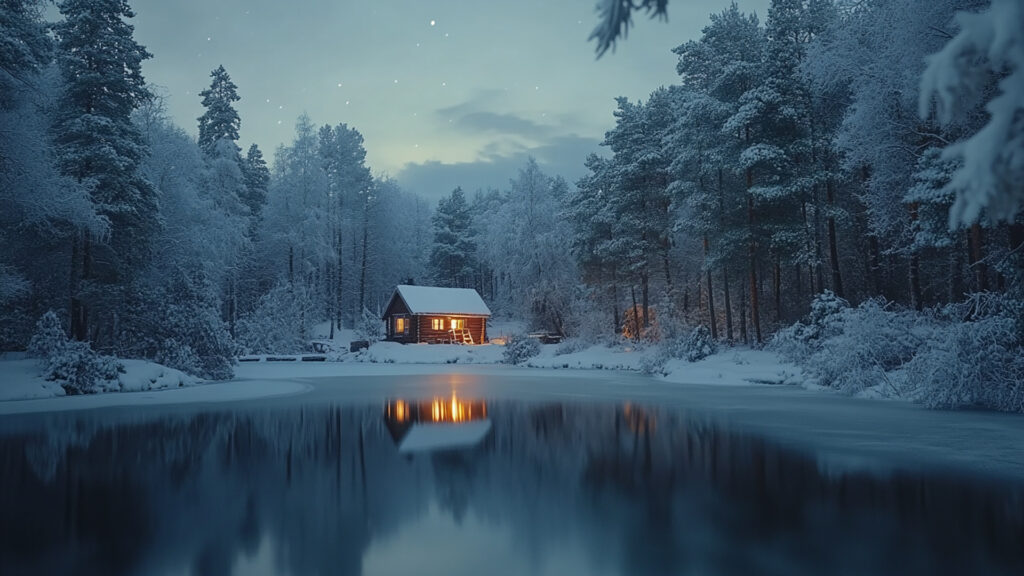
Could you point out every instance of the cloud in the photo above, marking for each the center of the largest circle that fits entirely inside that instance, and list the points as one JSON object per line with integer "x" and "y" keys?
{"x": 480, "y": 115}
{"x": 505, "y": 124}
{"x": 499, "y": 163}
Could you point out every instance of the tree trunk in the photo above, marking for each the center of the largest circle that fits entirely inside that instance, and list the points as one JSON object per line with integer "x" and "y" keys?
{"x": 977, "y": 257}
{"x": 753, "y": 255}
{"x": 615, "y": 302}
{"x": 338, "y": 296}
{"x": 291, "y": 265}
{"x": 743, "y": 316}
{"x": 728, "y": 305}
{"x": 711, "y": 295}
{"x": 644, "y": 294}
{"x": 633, "y": 319}
{"x": 916, "y": 297}
{"x": 232, "y": 304}
{"x": 1017, "y": 251}
{"x": 755, "y": 311}
{"x": 668, "y": 272}
{"x": 362, "y": 269}
{"x": 956, "y": 279}
{"x": 874, "y": 265}
{"x": 83, "y": 310}
{"x": 833, "y": 247}
{"x": 331, "y": 297}
{"x": 777, "y": 288}
{"x": 75, "y": 308}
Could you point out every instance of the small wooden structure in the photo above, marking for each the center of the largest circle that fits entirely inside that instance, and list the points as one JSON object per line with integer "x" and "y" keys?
{"x": 436, "y": 315}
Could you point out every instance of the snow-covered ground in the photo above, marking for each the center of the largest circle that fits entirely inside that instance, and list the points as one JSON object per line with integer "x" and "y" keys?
{"x": 21, "y": 379}
{"x": 737, "y": 387}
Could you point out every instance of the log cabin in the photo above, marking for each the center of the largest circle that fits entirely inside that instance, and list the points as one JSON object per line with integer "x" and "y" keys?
{"x": 434, "y": 315}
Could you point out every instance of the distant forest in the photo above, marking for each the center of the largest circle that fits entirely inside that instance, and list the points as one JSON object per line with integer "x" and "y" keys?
{"x": 841, "y": 166}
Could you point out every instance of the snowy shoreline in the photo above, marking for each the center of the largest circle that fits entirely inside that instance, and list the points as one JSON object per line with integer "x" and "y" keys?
{"x": 843, "y": 433}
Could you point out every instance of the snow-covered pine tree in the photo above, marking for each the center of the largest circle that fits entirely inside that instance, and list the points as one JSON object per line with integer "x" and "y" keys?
{"x": 453, "y": 254}
{"x": 97, "y": 144}
{"x": 593, "y": 239}
{"x": 257, "y": 180}
{"x": 708, "y": 185}
{"x": 25, "y": 47}
{"x": 640, "y": 193}
{"x": 220, "y": 120}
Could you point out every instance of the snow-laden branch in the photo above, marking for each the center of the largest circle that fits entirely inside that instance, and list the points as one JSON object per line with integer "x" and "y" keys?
{"x": 990, "y": 44}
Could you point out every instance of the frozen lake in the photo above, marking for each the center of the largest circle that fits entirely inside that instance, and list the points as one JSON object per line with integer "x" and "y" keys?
{"x": 512, "y": 472}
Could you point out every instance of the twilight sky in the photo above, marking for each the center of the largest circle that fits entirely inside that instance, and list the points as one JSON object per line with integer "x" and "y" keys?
{"x": 445, "y": 92}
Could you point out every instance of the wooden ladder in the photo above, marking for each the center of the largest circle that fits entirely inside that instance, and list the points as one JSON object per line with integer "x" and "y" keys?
{"x": 464, "y": 335}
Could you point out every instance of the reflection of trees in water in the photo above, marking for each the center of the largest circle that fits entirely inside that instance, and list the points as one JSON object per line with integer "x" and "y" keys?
{"x": 648, "y": 491}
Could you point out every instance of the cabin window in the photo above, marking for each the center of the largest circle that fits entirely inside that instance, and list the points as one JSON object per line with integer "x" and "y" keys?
{"x": 400, "y": 325}
{"x": 437, "y": 323}
{"x": 458, "y": 324}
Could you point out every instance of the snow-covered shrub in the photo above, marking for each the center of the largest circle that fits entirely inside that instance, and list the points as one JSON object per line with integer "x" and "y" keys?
{"x": 370, "y": 327}
{"x": 281, "y": 323}
{"x": 520, "y": 348}
{"x": 977, "y": 362}
{"x": 570, "y": 346}
{"x": 868, "y": 343}
{"x": 49, "y": 337}
{"x": 698, "y": 345}
{"x": 179, "y": 356}
{"x": 799, "y": 341}
{"x": 80, "y": 370}
{"x": 690, "y": 345}
{"x": 654, "y": 362}
{"x": 74, "y": 365}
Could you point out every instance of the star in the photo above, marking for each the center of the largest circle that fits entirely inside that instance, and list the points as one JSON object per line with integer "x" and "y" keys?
{"x": 445, "y": 34}
{"x": 432, "y": 22}
{"x": 396, "y": 81}
{"x": 346, "y": 102}
{"x": 444, "y": 83}
{"x": 339, "y": 84}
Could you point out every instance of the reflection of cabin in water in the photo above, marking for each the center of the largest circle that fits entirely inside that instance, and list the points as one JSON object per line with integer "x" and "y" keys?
{"x": 436, "y": 315}
{"x": 437, "y": 424}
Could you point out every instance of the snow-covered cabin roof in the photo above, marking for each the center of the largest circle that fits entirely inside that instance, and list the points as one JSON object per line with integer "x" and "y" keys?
{"x": 435, "y": 300}
{"x": 429, "y": 437}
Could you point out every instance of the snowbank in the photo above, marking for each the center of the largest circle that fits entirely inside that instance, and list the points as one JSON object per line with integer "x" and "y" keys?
{"x": 214, "y": 392}
{"x": 735, "y": 367}
{"x": 21, "y": 379}
{"x": 598, "y": 357}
